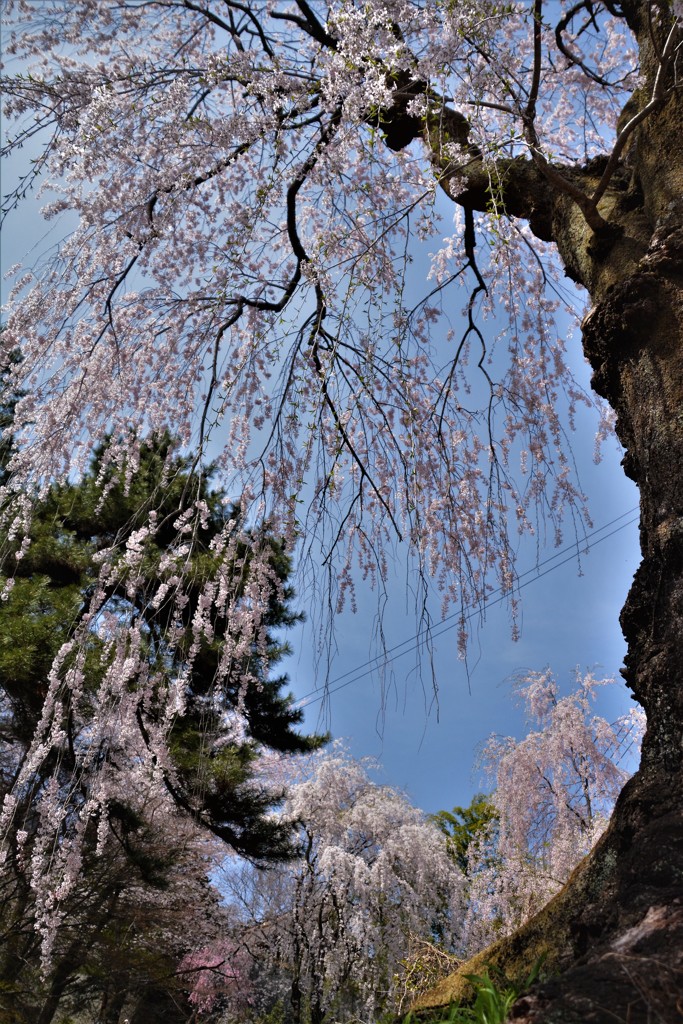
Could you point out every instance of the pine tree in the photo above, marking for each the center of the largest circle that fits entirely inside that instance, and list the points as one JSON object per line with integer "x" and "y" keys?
{"x": 211, "y": 782}
{"x": 465, "y": 825}
{"x": 71, "y": 528}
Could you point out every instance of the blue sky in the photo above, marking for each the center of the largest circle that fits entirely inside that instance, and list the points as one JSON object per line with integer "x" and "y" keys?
{"x": 571, "y": 599}
{"x": 570, "y": 610}
{"x": 569, "y": 618}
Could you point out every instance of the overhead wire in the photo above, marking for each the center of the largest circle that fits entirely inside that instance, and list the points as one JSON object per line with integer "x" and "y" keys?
{"x": 428, "y": 633}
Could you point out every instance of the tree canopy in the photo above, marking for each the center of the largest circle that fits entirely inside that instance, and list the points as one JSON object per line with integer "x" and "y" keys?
{"x": 326, "y": 933}
{"x": 246, "y": 185}
{"x": 552, "y": 796}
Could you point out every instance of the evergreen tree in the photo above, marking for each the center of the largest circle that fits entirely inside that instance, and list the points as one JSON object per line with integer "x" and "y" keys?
{"x": 218, "y": 734}
{"x": 53, "y": 580}
{"x": 464, "y": 825}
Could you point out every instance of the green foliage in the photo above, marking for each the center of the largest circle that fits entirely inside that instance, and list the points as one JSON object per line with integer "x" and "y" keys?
{"x": 276, "y": 1015}
{"x": 463, "y": 825}
{"x": 137, "y": 840}
{"x": 491, "y": 1005}
{"x": 109, "y": 937}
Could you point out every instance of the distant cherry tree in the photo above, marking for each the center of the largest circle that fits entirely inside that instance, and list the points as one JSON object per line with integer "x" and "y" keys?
{"x": 554, "y": 791}
{"x": 218, "y": 975}
{"x": 373, "y": 874}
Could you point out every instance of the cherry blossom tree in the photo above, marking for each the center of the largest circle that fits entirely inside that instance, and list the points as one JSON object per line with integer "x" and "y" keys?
{"x": 219, "y": 973}
{"x": 253, "y": 186}
{"x": 373, "y": 874}
{"x": 553, "y": 793}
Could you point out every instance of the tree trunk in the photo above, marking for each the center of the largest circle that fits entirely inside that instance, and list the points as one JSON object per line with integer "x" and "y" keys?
{"x": 627, "y": 927}
{"x": 616, "y": 929}
{"x": 63, "y": 973}
{"x": 625, "y": 904}
{"x": 114, "y": 999}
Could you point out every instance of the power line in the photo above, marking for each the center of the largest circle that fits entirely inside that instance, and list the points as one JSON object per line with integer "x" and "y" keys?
{"x": 570, "y": 552}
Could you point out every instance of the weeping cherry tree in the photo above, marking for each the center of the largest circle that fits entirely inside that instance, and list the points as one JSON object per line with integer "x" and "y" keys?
{"x": 254, "y": 186}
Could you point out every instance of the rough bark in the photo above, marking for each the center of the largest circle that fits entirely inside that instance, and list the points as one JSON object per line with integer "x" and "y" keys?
{"x": 625, "y": 907}
{"x": 615, "y": 932}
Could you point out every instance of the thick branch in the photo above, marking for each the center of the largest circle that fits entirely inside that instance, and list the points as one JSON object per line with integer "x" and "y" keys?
{"x": 520, "y": 186}
{"x": 516, "y": 185}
